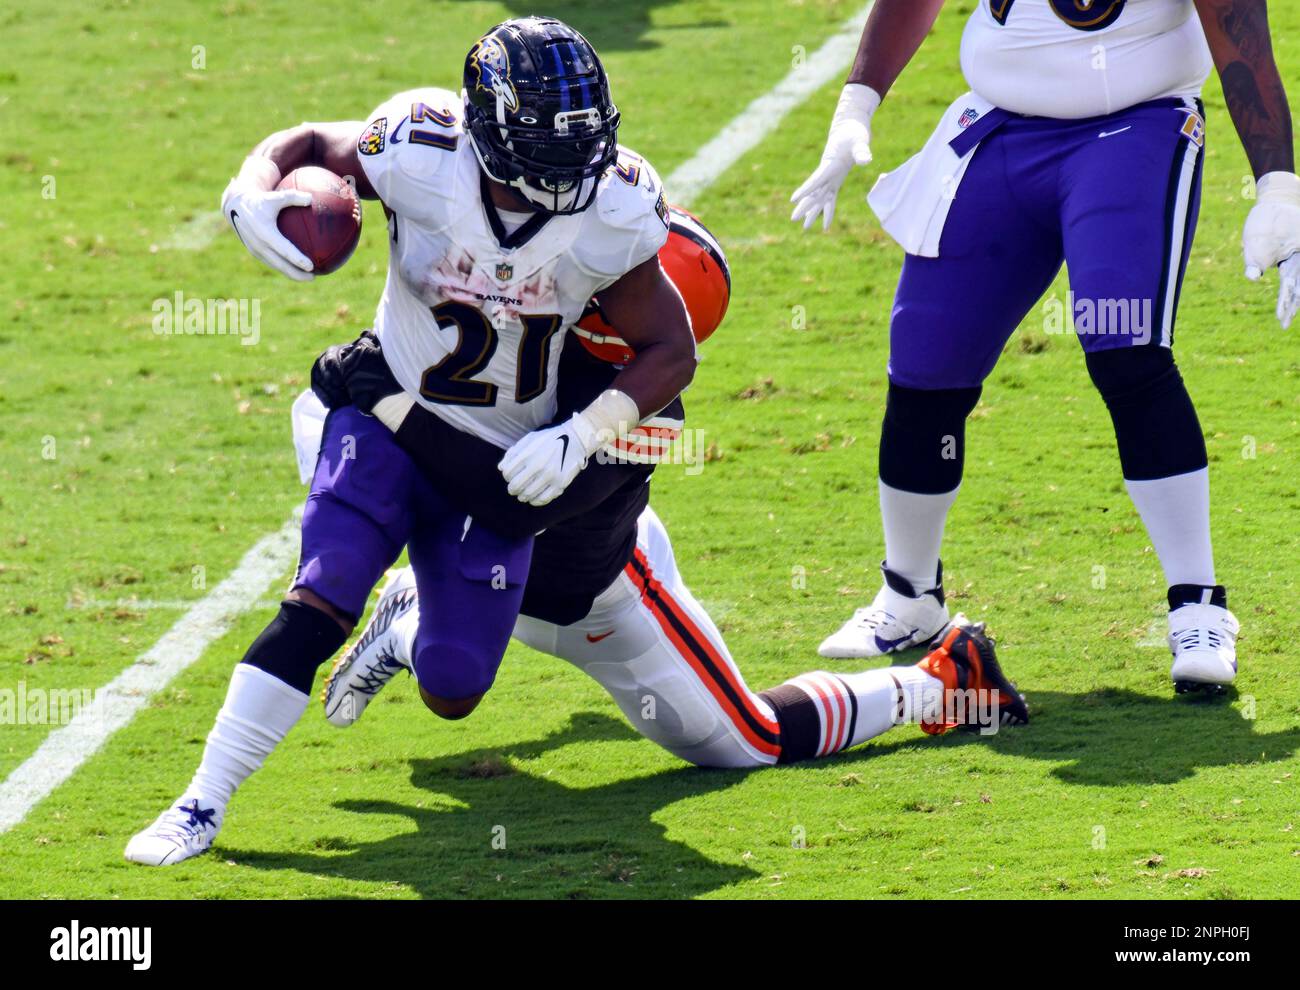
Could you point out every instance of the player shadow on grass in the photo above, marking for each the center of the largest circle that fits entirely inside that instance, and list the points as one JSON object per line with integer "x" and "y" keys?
{"x": 610, "y": 27}
{"x": 559, "y": 842}
{"x": 1115, "y": 737}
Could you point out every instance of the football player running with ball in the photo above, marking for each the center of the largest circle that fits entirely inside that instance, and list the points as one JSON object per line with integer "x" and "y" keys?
{"x": 1081, "y": 141}
{"x": 510, "y": 206}
{"x": 604, "y": 592}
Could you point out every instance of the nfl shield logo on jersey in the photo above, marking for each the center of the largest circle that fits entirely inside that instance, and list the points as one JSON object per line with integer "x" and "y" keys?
{"x": 505, "y": 272}
{"x": 968, "y": 117}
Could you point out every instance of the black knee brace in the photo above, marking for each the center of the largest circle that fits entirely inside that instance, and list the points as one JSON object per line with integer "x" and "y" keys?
{"x": 796, "y": 714}
{"x": 923, "y": 438}
{"x": 295, "y": 643}
{"x": 1156, "y": 427}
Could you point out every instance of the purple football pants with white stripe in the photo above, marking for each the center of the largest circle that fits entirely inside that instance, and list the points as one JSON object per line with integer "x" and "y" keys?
{"x": 1115, "y": 198}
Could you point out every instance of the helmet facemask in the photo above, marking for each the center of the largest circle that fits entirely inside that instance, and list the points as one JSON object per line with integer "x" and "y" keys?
{"x": 539, "y": 113}
{"x": 557, "y": 168}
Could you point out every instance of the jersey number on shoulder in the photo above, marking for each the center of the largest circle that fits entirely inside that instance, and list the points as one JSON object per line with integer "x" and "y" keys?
{"x": 451, "y": 380}
{"x": 1083, "y": 15}
{"x": 422, "y": 112}
{"x": 629, "y": 167}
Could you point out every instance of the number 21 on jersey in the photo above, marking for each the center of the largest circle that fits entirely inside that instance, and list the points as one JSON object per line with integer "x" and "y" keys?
{"x": 451, "y": 381}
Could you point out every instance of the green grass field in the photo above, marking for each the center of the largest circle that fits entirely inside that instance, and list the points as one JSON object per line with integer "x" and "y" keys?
{"x": 137, "y": 469}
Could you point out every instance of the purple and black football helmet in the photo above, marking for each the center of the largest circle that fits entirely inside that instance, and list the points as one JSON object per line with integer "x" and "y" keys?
{"x": 539, "y": 112}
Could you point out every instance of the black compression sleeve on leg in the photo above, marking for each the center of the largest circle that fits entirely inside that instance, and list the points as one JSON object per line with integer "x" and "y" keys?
{"x": 801, "y": 727}
{"x": 923, "y": 438}
{"x": 295, "y": 643}
{"x": 1156, "y": 428}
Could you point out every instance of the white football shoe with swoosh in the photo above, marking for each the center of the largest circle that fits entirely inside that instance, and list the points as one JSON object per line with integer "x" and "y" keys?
{"x": 897, "y": 619}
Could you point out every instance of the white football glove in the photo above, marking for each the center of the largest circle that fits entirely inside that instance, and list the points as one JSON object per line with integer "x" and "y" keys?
{"x": 252, "y": 212}
{"x": 1272, "y": 238}
{"x": 848, "y": 144}
{"x": 542, "y": 464}
{"x": 1288, "y": 296}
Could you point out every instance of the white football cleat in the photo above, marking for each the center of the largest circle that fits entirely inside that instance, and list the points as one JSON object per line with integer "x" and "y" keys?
{"x": 1203, "y": 639}
{"x": 375, "y": 658}
{"x": 185, "y": 829}
{"x": 897, "y": 619}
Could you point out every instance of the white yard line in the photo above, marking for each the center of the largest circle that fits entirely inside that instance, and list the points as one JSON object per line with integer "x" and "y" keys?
{"x": 748, "y": 128}
{"x": 68, "y": 747}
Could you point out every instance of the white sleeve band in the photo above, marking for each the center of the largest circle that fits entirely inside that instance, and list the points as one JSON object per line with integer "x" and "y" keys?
{"x": 858, "y": 102}
{"x": 391, "y": 410}
{"x": 259, "y": 171}
{"x": 1281, "y": 186}
{"x": 611, "y": 416}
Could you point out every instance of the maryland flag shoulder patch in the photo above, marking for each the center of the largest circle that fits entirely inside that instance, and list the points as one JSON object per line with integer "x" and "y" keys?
{"x": 661, "y": 208}
{"x": 372, "y": 139}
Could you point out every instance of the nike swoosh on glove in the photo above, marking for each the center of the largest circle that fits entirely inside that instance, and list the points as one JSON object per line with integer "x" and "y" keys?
{"x": 542, "y": 464}
{"x": 253, "y": 212}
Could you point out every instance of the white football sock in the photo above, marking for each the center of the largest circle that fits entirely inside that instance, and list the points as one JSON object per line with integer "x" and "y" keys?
{"x": 914, "y": 532}
{"x": 856, "y": 707}
{"x": 1176, "y": 512}
{"x": 260, "y": 710}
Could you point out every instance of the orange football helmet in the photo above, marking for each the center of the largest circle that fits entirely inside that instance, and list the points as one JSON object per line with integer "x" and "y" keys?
{"x": 694, "y": 262}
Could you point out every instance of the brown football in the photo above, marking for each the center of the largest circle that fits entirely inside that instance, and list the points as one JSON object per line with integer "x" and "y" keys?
{"x": 327, "y": 231}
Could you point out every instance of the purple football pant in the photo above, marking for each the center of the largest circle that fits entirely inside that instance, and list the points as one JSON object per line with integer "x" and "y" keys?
{"x": 367, "y": 502}
{"x": 1115, "y": 198}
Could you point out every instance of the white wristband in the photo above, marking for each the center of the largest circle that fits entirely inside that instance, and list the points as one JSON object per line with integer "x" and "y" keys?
{"x": 611, "y": 416}
{"x": 259, "y": 171}
{"x": 391, "y": 410}
{"x": 857, "y": 102}
{"x": 1281, "y": 186}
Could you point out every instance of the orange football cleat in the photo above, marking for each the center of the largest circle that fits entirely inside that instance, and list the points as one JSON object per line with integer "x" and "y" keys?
{"x": 977, "y": 694}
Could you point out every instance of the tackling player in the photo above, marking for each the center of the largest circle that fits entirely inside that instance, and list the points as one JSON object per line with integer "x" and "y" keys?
{"x": 1082, "y": 140}
{"x": 510, "y": 206}
{"x": 605, "y": 594}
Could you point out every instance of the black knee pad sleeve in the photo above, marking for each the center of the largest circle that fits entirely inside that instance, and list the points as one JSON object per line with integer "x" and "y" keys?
{"x": 801, "y": 726}
{"x": 295, "y": 643}
{"x": 923, "y": 439}
{"x": 1155, "y": 422}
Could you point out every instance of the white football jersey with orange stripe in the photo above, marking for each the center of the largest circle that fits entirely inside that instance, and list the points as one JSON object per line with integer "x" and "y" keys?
{"x": 472, "y": 317}
{"x": 1083, "y": 58}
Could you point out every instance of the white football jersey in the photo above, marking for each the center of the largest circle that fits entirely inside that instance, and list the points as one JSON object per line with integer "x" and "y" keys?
{"x": 1083, "y": 58}
{"x": 472, "y": 327}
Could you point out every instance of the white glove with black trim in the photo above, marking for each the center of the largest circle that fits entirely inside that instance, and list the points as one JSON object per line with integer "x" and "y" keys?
{"x": 252, "y": 212}
{"x": 848, "y": 144}
{"x": 1272, "y": 238}
{"x": 542, "y": 464}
